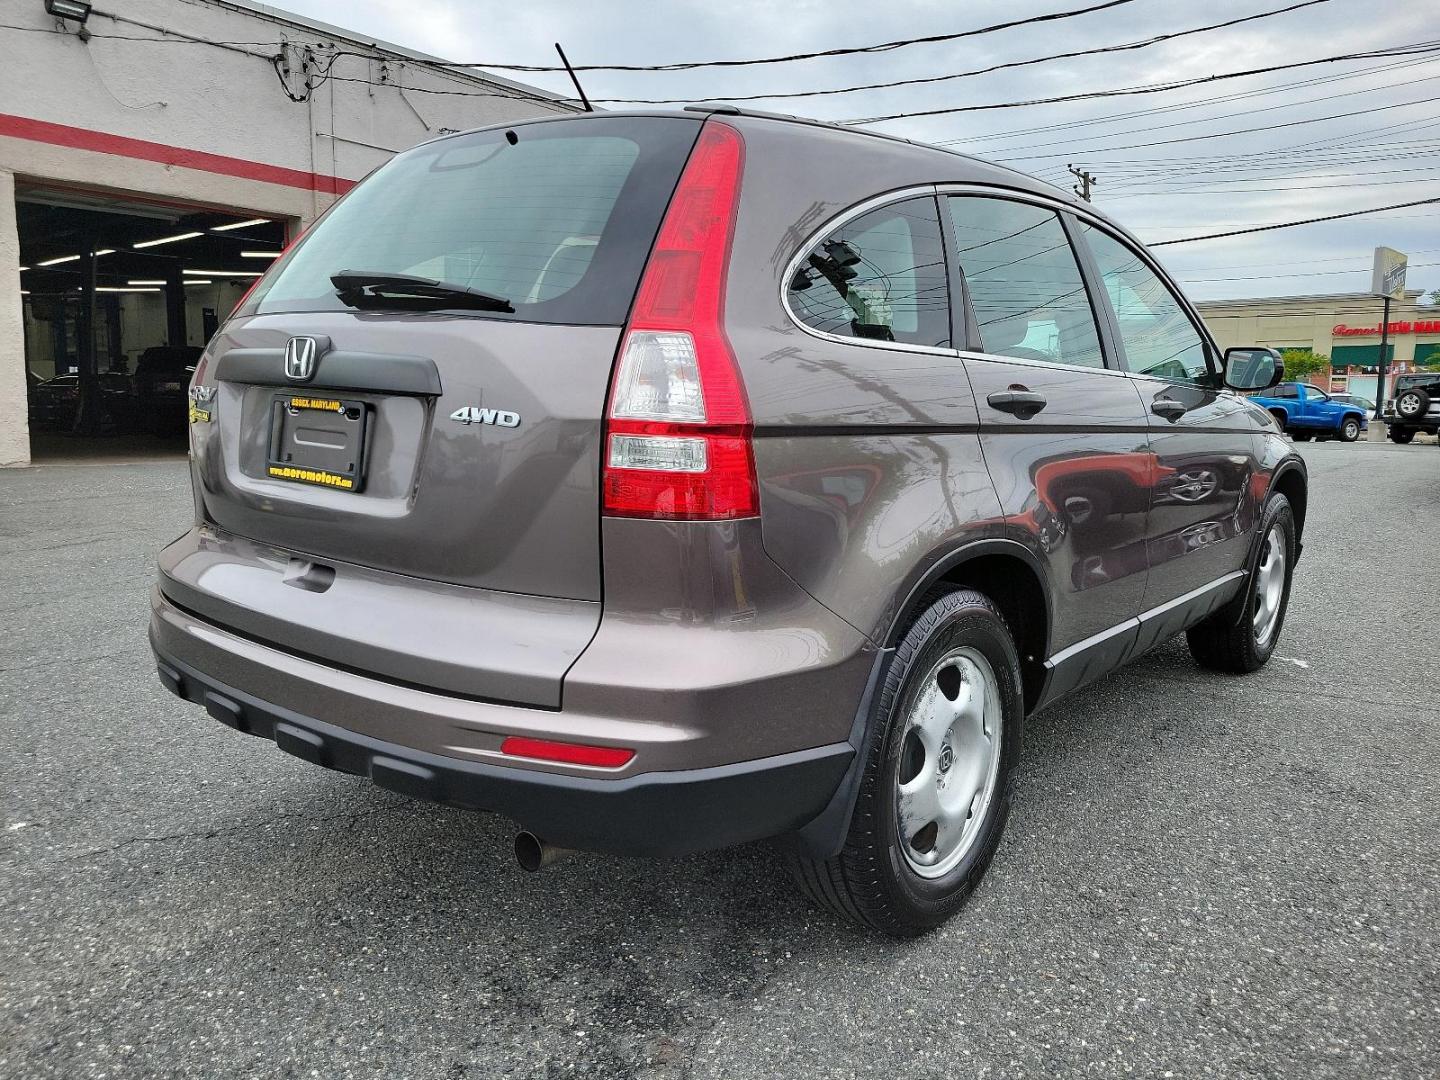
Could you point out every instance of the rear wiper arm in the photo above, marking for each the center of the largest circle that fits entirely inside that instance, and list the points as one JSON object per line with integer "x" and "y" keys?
{"x": 362, "y": 288}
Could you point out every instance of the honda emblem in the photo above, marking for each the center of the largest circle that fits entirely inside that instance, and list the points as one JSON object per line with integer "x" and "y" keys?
{"x": 300, "y": 358}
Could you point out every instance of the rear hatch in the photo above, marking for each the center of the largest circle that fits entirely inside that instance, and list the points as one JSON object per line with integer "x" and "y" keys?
{"x": 412, "y": 400}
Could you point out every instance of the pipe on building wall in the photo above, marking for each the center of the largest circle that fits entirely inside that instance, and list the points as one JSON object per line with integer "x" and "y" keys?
{"x": 14, "y": 418}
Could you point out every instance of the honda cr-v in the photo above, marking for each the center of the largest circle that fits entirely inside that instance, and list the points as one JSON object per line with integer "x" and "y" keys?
{"x": 668, "y": 481}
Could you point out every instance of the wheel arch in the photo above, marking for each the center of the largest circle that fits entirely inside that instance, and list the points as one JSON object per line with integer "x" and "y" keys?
{"x": 1014, "y": 579}
{"x": 1290, "y": 480}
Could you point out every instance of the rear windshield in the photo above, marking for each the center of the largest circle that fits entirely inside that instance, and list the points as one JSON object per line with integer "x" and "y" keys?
{"x": 558, "y": 222}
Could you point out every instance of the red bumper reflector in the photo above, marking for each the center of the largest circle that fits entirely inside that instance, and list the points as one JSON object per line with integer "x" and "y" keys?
{"x": 606, "y": 757}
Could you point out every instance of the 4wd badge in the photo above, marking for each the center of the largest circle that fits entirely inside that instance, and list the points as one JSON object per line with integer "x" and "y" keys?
{"x": 471, "y": 414}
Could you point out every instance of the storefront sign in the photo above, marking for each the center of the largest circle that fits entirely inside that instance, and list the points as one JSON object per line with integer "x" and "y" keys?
{"x": 1424, "y": 326}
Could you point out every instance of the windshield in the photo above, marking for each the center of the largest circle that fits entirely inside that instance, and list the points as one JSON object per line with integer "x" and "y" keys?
{"x": 556, "y": 218}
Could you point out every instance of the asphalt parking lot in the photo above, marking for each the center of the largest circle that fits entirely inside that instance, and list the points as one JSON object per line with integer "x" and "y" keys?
{"x": 1203, "y": 876}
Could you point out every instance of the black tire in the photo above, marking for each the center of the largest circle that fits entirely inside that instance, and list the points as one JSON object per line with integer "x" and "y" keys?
{"x": 1302, "y": 436}
{"x": 1227, "y": 641}
{"x": 1412, "y": 404}
{"x": 1279, "y": 415}
{"x": 1402, "y": 435}
{"x": 1350, "y": 429}
{"x": 871, "y": 882}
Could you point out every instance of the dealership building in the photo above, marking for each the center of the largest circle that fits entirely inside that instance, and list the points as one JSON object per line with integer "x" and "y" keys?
{"x": 1345, "y": 327}
{"x": 153, "y": 162}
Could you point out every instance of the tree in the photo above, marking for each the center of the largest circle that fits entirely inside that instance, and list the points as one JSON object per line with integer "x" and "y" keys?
{"x": 1303, "y": 363}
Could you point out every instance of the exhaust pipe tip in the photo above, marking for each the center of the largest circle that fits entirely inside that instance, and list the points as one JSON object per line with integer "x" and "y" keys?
{"x": 534, "y": 854}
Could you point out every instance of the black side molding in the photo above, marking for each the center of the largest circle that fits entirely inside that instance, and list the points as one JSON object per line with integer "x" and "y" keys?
{"x": 338, "y": 370}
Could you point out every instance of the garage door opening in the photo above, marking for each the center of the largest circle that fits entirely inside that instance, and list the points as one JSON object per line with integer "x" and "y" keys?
{"x": 119, "y": 297}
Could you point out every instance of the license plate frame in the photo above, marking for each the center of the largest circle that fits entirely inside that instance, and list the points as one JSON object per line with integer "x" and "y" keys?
{"x": 318, "y": 440}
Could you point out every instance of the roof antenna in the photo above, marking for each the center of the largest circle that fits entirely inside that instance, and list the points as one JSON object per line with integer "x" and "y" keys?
{"x": 574, "y": 79}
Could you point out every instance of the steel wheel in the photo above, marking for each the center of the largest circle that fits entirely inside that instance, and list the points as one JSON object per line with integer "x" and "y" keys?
{"x": 1269, "y": 585}
{"x": 949, "y": 762}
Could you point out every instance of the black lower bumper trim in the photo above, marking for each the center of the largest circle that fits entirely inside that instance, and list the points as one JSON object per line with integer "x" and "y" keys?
{"x": 663, "y": 813}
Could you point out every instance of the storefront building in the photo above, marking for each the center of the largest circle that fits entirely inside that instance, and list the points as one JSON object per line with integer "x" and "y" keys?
{"x": 1346, "y": 327}
{"x": 154, "y": 160}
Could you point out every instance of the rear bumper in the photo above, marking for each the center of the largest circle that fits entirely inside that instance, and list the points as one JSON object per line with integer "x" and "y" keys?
{"x": 656, "y": 813}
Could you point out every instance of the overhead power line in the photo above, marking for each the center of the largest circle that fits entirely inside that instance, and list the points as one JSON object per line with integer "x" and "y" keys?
{"x": 1357, "y": 257}
{"x": 882, "y": 47}
{"x": 1232, "y": 192}
{"x": 1415, "y": 49}
{"x": 1372, "y": 311}
{"x": 1151, "y": 128}
{"x": 1225, "y": 134}
{"x": 1274, "y": 157}
{"x": 1293, "y": 224}
{"x": 324, "y": 62}
{"x": 1142, "y": 43}
{"x": 1131, "y": 181}
{"x": 1198, "y": 103}
{"x": 1304, "y": 274}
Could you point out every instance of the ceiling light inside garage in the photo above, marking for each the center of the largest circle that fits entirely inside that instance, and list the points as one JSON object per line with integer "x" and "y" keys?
{"x": 122, "y": 289}
{"x": 259, "y": 254}
{"x": 222, "y": 273}
{"x": 241, "y": 224}
{"x": 61, "y": 259}
{"x": 199, "y": 281}
{"x": 167, "y": 240}
{"x": 145, "y": 281}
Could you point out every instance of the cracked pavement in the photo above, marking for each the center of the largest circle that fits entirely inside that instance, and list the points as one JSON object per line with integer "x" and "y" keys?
{"x": 1202, "y": 877}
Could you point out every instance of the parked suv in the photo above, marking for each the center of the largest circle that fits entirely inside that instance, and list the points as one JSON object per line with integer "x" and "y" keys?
{"x": 1415, "y": 407}
{"x": 161, "y": 375}
{"x": 666, "y": 481}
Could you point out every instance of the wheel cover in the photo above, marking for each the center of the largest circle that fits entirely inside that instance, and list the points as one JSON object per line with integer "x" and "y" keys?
{"x": 1269, "y": 585}
{"x": 1408, "y": 405}
{"x": 949, "y": 761}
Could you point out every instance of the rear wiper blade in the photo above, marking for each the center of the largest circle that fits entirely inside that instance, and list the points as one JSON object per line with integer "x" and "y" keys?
{"x": 362, "y": 288}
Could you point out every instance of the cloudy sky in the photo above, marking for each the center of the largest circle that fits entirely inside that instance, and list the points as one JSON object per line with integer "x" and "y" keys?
{"x": 1200, "y": 180}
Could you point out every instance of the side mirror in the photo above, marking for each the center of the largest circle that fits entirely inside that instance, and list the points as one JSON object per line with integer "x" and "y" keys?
{"x": 1253, "y": 368}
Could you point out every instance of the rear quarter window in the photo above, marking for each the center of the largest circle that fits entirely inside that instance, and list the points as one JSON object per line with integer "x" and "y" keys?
{"x": 558, "y": 221}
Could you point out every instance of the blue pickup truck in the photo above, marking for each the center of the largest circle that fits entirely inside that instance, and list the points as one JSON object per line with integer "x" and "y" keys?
{"x": 1305, "y": 412}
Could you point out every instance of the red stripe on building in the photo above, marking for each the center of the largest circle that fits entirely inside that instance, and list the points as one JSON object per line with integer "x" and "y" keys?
{"x": 22, "y": 127}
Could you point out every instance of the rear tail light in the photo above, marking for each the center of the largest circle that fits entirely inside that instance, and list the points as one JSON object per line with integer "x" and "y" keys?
{"x": 678, "y": 431}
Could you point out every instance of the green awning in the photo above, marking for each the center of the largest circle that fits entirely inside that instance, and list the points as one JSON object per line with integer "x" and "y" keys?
{"x": 1362, "y": 355}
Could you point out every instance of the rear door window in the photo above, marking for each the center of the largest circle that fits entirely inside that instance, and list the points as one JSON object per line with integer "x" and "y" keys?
{"x": 879, "y": 277}
{"x": 556, "y": 217}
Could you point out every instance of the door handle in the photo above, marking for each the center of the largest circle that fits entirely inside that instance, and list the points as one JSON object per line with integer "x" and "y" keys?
{"x": 1169, "y": 408}
{"x": 1018, "y": 400}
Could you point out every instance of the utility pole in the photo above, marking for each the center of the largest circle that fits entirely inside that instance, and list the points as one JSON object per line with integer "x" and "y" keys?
{"x": 1381, "y": 370}
{"x": 1087, "y": 181}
